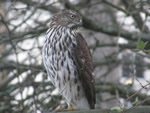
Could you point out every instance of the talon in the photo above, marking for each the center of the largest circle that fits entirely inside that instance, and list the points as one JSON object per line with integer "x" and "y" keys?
{"x": 70, "y": 108}
{"x": 58, "y": 109}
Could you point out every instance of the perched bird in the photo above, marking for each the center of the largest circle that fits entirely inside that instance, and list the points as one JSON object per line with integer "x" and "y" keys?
{"x": 68, "y": 61}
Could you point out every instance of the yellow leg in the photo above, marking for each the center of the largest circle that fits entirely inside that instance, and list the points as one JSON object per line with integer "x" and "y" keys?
{"x": 70, "y": 108}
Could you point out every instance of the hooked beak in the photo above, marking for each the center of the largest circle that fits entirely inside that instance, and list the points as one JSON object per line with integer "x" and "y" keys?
{"x": 79, "y": 23}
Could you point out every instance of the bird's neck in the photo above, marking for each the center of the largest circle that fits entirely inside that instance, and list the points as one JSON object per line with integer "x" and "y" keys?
{"x": 59, "y": 35}
{"x": 54, "y": 24}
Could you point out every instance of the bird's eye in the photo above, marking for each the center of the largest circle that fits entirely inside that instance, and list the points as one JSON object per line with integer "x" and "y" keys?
{"x": 72, "y": 16}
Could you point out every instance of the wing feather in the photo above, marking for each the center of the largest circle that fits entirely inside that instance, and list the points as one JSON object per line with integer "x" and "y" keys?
{"x": 83, "y": 61}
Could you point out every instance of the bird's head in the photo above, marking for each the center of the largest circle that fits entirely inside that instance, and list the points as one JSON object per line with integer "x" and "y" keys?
{"x": 68, "y": 18}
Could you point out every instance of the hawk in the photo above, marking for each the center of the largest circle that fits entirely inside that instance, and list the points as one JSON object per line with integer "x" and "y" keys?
{"x": 68, "y": 60}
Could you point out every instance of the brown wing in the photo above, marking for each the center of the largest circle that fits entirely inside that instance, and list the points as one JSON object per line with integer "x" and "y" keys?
{"x": 83, "y": 61}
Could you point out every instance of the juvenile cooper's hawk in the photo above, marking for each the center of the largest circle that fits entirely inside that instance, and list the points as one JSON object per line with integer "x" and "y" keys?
{"x": 68, "y": 61}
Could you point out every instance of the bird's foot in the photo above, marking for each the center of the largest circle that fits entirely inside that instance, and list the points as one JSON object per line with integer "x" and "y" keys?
{"x": 70, "y": 108}
{"x": 59, "y": 109}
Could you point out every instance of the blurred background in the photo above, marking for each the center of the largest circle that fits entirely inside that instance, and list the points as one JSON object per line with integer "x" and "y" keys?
{"x": 118, "y": 35}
